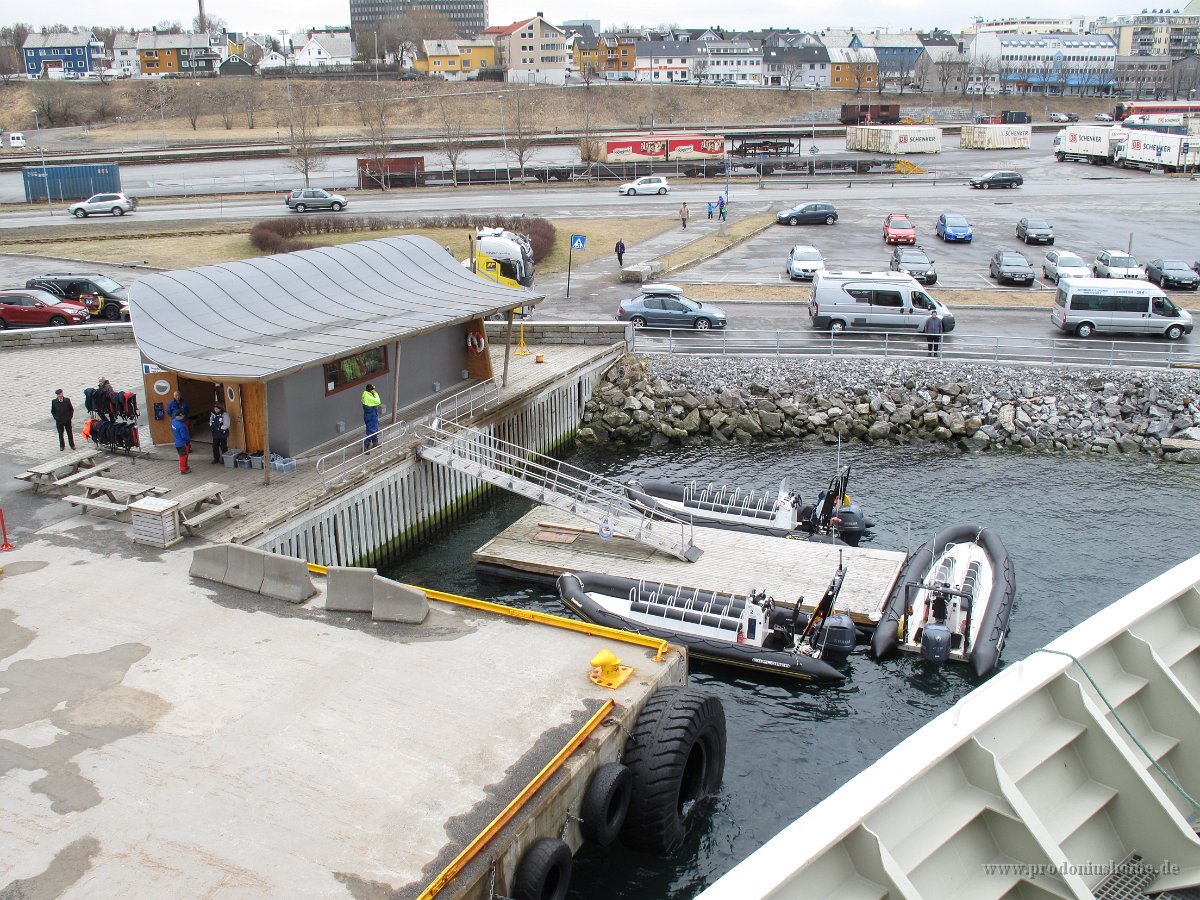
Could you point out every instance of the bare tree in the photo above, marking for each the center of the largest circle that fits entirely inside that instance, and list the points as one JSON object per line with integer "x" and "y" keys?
{"x": 924, "y": 71}
{"x": 251, "y": 100}
{"x": 252, "y": 52}
{"x": 522, "y": 137}
{"x": 14, "y": 35}
{"x": 212, "y": 24}
{"x": 452, "y": 137}
{"x": 303, "y": 143}
{"x": 986, "y": 66}
{"x": 864, "y": 72}
{"x": 791, "y": 74}
{"x": 375, "y": 108}
{"x": 700, "y": 67}
{"x": 226, "y": 98}
{"x": 10, "y": 63}
{"x": 952, "y": 71}
{"x": 192, "y": 102}
{"x": 57, "y": 102}
{"x": 402, "y": 38}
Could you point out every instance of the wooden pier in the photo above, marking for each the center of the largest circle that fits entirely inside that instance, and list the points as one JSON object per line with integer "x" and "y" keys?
{"x": 548, "y": 542}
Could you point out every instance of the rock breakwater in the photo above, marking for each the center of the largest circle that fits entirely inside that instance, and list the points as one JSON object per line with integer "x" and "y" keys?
{"x": 973, "y": 406}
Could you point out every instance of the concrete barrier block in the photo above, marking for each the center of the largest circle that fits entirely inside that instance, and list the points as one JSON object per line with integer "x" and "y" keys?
{"x": 210, "y": 563}
{"x": 286, "y": 578}
{"x": 395, "y": 602}
{"x": 246, "y": 568}
{"x": 350, "y": 589}
{"x": 635, "y": 273}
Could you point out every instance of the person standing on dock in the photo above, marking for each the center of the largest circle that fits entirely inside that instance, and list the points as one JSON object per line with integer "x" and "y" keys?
{"x": 683, "y": 215}
{"x": 932, "y": 329}
{"x": 370, "y": 405}
{"x": 183, "y": 440}
{"x": 62, "y": 412}
{"x": 620, "y": 251}
{"x": 220, "y": 423}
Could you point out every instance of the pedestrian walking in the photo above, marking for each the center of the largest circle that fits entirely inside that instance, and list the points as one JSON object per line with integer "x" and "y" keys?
{"x": 62, "y": 412}
{"x": 683, "y": 215}
{"x": 220, "y": 423}
{"x": 710, "y": 210}
{"x": 620, "y": 251}
{"x": 183, "y": 441}
{"x": 370, "y": 405}
{"x": 721, "y": 203}
{"x": 932, "y": 329}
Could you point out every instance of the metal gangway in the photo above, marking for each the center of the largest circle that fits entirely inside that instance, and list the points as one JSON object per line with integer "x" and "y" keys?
{"x": 553, "y": 482}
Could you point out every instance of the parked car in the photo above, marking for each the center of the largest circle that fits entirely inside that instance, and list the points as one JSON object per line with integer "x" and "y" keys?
{"x": 114, "y": 204}
{"x": 1116, "y": 264}
{"x": 647, "y": 184}
{"x": 1172, "y": 273}
{"x": 804, "y": 262}
{"x": 665, "y": 306}
{"x": 1072, "y": 117}
{"x": 915, "y": 262}
{"x": 21, "y": 309}
{"x": 1033, "y": 230}
{"x": 1002, "y": 179}
{"x": 103, "y": 297}
{"x": 315, "y": 198}
{"x": 1059, "y": 117}
{"x": 954, "y": 227}
{"x": 899, "y": 229}
{"x": 808, "y": 214}
{"x": 1064, "y": 264}
{"x": 1010, "y": 266}
{"x": 1102, "y": 117}
{"x": 16, "y": 139}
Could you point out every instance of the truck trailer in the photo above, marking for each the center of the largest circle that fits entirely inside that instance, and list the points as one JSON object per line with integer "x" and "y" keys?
{"x": 1085, "y": 143}
{"x": 670, "y": 147}
{"x": 1154, "y": 152}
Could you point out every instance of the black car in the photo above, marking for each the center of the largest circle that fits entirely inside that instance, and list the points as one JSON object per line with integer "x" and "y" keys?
{"x": 915, "y": 262}
{"x": 998, "y": 179}
{"x": 808, "y": 214}
{"x": 102, "y": 296}
{"x": 1033, "y": 230}
{"x": 1172, "y": 273}
{"x": 1010, "y": 266}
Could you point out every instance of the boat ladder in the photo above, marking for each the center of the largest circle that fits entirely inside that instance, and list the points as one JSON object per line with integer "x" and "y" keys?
{"x": 547, "y": 480}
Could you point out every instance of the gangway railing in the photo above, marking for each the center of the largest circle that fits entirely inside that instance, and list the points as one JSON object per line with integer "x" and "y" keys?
{"x": 350, "y": 459}
{"x": 469, "y": 403}
{"x": 553, "y": 482}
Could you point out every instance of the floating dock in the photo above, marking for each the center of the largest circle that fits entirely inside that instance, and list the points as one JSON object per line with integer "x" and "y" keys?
{"x": 547, "y": 542}
{"x": 1073, "y": 773}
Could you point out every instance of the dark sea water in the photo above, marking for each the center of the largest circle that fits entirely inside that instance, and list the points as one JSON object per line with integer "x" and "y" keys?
{"x": 1083, "y": 531}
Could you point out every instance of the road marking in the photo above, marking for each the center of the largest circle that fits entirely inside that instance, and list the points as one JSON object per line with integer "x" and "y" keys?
{"x": 984, "y": 280}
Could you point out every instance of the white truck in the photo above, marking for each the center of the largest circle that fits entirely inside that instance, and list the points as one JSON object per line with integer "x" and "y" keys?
{"x": 1157, "y": 152}
{"x": 1085, "y": 143}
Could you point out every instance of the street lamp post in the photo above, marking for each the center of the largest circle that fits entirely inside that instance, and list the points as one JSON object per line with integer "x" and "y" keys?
{"x": 504, "y": 138}
{"x": 46, "y": 177}
{"x": 376, "y": 55}
{"x": 36, "y": 122}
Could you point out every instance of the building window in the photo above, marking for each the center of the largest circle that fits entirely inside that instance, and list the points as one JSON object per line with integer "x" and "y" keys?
{"x": 354, "y": 370}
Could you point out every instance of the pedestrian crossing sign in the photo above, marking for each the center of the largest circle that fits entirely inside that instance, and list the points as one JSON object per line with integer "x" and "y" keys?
{"x": 578, "y": 241}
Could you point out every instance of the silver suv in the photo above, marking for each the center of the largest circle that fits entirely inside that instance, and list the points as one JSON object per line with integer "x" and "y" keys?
{"x": 314, "y": 198}
{"x": 115, "y": 204}
{"x": 1117, "y": 264}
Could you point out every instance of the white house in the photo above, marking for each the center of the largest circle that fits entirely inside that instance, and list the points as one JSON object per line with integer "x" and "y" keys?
{"x": 126, "y": 60}
{"x": 323, "y": 50}
{"x": 532, "y": 51}
{"x": 660, "y": 61}
{"x": 733, "y": 60}
{"x": 272, "y": 59}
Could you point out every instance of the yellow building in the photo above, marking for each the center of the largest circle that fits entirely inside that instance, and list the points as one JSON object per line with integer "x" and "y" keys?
{"x": 185, "y": 54}
{"x": 853, "y": 68}
{"x": 455, "y": 60}
{"x": 618, "y": 52}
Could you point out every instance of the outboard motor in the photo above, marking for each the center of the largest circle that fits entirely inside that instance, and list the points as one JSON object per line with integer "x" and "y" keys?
{"x": 935, "y": 643}
{"x": 837, "y": 638}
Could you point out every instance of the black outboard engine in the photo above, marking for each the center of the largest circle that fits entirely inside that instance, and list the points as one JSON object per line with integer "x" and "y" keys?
{"x": 935, "y": 643}
{"x": 837, "y": 638}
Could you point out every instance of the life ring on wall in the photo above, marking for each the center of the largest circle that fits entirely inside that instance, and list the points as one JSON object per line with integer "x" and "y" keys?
{"x": 476, "y": 341}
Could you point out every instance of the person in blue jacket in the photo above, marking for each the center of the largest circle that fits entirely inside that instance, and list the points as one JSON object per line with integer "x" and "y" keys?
{"x": 183, "y": 441}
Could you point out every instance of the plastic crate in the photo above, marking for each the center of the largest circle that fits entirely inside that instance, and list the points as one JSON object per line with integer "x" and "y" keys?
{"x": 256, "y": 462}
{"x": 283, "y": 466}
{"x": 243, "y": 464}
{"x": 229, "y": 457}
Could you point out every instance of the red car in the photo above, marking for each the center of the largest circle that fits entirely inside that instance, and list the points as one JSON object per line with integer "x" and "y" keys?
{"x": 899, "y": 229}
{"x": 20, "y": 309}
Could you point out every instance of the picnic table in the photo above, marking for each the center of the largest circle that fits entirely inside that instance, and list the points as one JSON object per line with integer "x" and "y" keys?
{"x": 74, "y": 466}
{"x": 111, "y": 494}
{"x": 203, "y": 503}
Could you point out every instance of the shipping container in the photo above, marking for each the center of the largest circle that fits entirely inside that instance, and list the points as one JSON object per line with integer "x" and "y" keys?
{"x": 994, "y": 137}
{"x": 870, "y": 113}
{"x": 654, "y": 148}
{"x": 1015, "y": 117}
{"x": 894, "y": 139}
{"x": 76, "y": 182}
{"x": 1157, "y": 152}
{"x": 1086, "y": 143}
{"x": 399, "y": 171}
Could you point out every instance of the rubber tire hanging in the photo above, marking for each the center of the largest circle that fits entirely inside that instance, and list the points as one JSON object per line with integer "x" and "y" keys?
{"x": 676, "y": 753}
{"x": 606, "y": 803}
{"x": 544, "y": 872}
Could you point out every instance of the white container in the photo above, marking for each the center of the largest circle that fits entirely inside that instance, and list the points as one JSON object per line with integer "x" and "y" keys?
{"x": 1085, "y": 142}
{"x": 994, "y": 137}
{"x": 1149, "y": 150}
{"x": 894, "y": 139}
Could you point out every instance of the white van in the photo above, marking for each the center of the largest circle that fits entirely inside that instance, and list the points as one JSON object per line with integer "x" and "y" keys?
{"x": 881, "y": 301}
{"x": 1084, "y": 306}
{"x": 16, "y": 139}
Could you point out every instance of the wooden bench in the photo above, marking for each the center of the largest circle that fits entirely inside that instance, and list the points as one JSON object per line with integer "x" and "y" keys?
{"x": 86, "y": 503}
{"x": 198, "y": 520}
{"x": 68, "y": 480}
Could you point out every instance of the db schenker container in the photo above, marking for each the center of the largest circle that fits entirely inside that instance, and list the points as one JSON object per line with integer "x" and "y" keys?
{"x": 399, "y": 171}
{"x": 994, "y": 137}
{"x": 894, "y": 139}
{"x": 74, "y": 182}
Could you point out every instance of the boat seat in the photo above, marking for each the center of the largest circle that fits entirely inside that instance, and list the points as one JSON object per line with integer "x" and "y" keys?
{"x": 680, "y": 614}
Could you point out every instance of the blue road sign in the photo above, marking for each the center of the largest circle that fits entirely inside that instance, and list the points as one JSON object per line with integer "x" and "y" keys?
{"x": 578, "y": 241}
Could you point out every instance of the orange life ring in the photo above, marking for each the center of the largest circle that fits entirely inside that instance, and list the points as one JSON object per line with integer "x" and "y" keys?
{"x": 476, "y": 341}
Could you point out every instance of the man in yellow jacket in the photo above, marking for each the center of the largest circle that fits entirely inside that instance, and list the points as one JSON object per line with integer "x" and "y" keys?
{"x": 370, "y": 405}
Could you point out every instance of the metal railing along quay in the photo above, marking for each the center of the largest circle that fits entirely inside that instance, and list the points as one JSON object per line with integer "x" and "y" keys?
{"x": 1151, "y": 353}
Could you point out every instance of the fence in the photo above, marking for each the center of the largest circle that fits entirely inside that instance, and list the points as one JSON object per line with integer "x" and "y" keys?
{"x": 1153, "y": 353}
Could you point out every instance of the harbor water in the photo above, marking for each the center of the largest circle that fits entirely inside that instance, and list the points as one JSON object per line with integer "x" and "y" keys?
{"x": 1083, "y": 531}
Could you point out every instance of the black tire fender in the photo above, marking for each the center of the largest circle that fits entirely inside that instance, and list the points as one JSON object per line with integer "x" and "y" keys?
{"x": 676, "y": 754}
{"x": 544, "y": 872}
{"x": 606, "y": 803}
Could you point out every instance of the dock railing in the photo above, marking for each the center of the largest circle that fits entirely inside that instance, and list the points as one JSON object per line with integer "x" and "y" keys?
{"x": 466, "y": 405}
{"x": 1153, "y": 353}
{"x": 350, "y": 459}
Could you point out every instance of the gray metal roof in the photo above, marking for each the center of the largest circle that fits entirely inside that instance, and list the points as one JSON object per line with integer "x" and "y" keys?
{"x": 259, "y": 319}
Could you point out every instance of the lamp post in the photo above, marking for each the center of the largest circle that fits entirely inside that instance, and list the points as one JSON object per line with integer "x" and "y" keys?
{"x": 46, "y": 175}
{"x": 504, "y": 139}
{"x": 36, "y": 122}
{"x": 376, "y": 55}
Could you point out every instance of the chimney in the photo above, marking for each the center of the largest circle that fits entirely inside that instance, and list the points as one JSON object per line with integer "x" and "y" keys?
{"x": 203, "y": 22}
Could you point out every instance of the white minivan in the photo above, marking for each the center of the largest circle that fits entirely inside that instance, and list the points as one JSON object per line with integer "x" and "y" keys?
{"x": 1084, "y": 306}
{"x": 878, "y": 301}
{"x": 16, "y": 139}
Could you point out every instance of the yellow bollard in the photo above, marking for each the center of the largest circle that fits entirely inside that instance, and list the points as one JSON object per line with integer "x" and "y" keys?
{"x": 607, "y": 670}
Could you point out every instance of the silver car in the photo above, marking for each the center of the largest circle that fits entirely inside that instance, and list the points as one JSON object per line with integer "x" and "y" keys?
{"x": 804, "y": 262}
{"x": 315, "y": 198}
{"x": 1064, "y": 264}
{"x": 113, "y": 204}
{"x": 1117, "y": 264}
